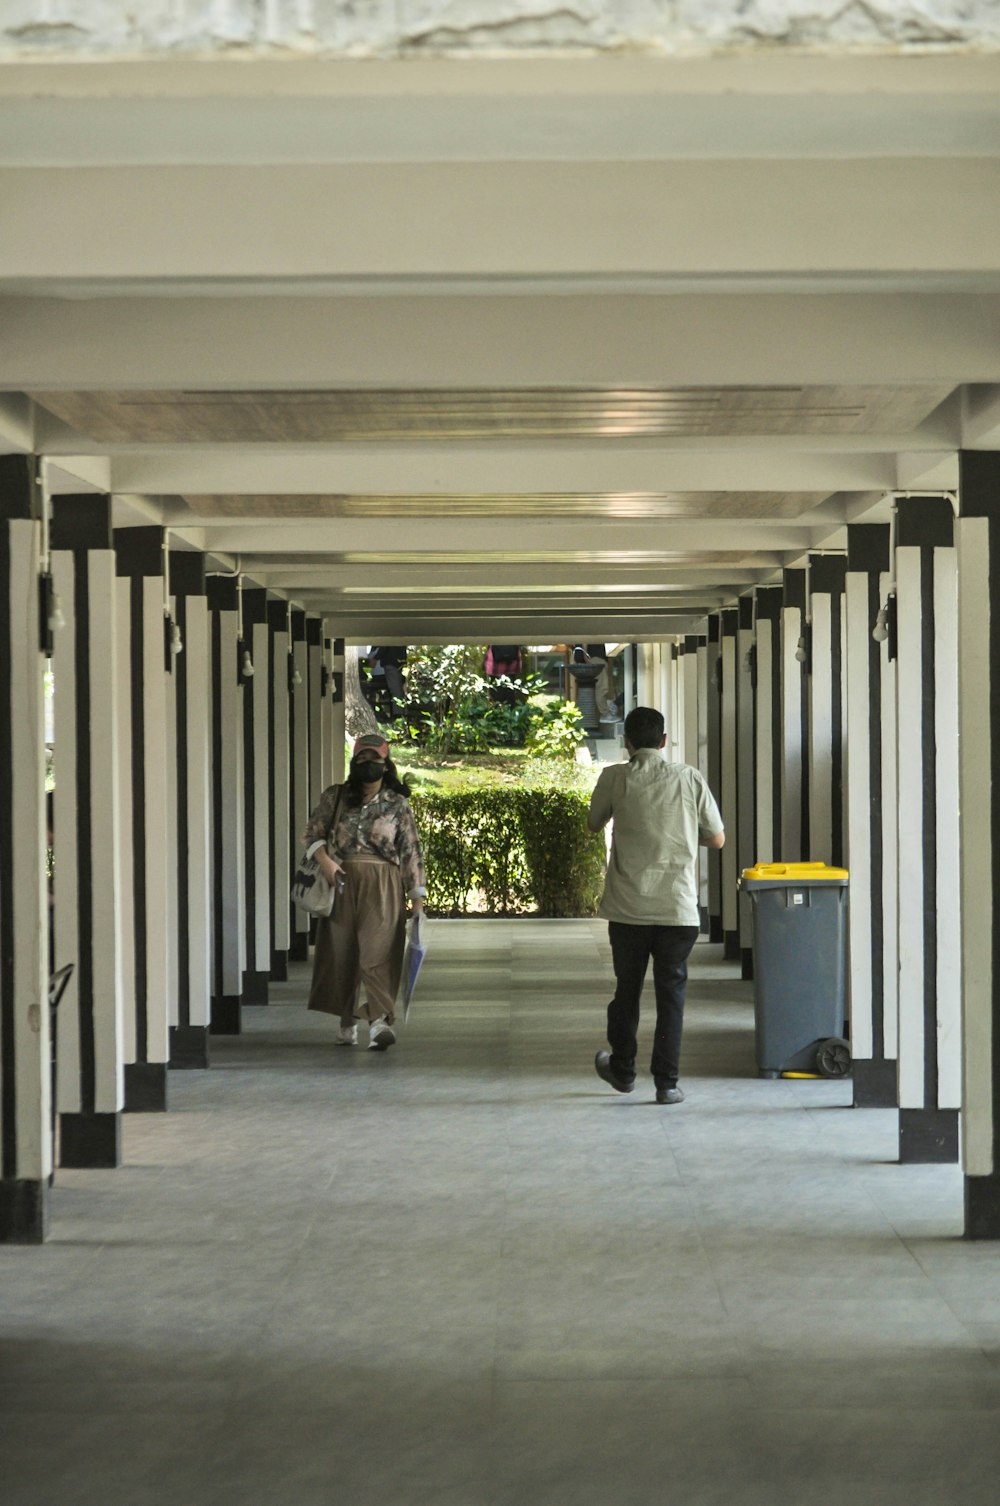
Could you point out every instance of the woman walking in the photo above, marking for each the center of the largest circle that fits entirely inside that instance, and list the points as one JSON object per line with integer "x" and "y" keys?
{"x": 372, "y": 844}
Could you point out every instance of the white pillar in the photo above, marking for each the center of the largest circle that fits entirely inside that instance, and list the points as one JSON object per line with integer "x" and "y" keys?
{"x": 794, "y": 814}
{"x": 978, "y": 536}
{"x": 713, "y": 761}
{"x": 826, "y": 719}
{"x": 25, "y": 1132}
{"x": 928, "y": 922}
{"x": 140, "y": 564}
{"x": 338, "y": 709}
{"x": 872, "y": 1004}
{"x": 229, "y": 857}
{"x": 301, "y": 789}
{"x": 90, "y": 1086}
{"x": 255, "y": 691}
{"x": 279, "y": 706}
{"x": 189, "y": 1043}
{"x": 767, "y": 694}
{"x": 746, "y": 813}
{"x": 729, "y": 804}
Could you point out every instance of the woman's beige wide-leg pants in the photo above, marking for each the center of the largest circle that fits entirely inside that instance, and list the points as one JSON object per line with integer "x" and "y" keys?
{"x": 361, "y": 943}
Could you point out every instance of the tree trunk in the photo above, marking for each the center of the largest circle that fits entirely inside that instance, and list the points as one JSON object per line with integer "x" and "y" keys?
{"x": 358, "y": 715}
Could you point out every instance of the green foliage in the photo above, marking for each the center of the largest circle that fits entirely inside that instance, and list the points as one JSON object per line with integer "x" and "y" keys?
{"x": 509, "y": 850}
{"x": 557, "y": 731}
{"x": 538, "y": 772}
{"x": 442, "y": 681}
{"x": 452, "y": 706}
{"x": 565, "y": 860}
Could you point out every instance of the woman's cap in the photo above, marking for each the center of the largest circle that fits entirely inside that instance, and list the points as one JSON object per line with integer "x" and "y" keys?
{"x": 372, "y": 740}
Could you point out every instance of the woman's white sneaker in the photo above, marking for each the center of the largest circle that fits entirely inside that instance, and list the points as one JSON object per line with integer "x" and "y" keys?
{"x": 381, "y": 1036}
{"x": 347, "y": 1035}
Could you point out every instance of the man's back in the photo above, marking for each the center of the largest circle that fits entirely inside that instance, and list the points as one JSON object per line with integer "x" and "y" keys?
{"x": 660, "y": 812}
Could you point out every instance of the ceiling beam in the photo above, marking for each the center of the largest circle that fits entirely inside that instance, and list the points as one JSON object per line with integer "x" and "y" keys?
{"x": 140, "y": 343}
{"x": 410, "y": 538}
{"x": 449, "y": 467}
{"x": 295, "y": 221}
{"x": 516, "y": 576}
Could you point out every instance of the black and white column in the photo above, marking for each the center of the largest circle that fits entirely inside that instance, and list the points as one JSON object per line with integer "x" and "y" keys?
{"x": 826, "y": 719}
{"x": 228, "y": 861}
{"x": 254, "y": 673}
{"x": 338, "y": 714}
{"x": 689, "y": 680}
{"x": 929, "y": 922}
{"x": 870, "y": 786}
{"x": 300, "y": 788}
{"x": 189, "y": 1036}
{"x": 767, "y": 728}
{"x": 978, "y": 537}
{"x": 145, "y": 754}
{"x": 90, "y": 1088}
{"x": 746, "y": 813}
{"x": 728, "y": 777}
{"x": 691, "y": 669}
{"x": 713, "y": 729}
{"x": 25, "y": 1113}
{"x": 280, "y": 795}
{"x": 794, "y": 720}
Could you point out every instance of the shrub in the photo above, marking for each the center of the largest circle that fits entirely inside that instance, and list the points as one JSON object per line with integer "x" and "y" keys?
{"x": 509, "y": 850}
{"x": 558, "y": 728}
{"x": 565, "y": 860}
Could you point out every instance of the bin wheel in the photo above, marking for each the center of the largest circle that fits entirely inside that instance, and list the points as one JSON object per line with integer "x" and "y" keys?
{"x": 833, "y": 1058}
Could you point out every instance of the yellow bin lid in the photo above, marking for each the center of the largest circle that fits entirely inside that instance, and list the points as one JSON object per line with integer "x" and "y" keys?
{"x": 791, "y": 873}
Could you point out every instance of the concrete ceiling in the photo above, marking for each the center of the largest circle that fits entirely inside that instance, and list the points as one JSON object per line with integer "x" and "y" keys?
{"x": 515, "y": 348}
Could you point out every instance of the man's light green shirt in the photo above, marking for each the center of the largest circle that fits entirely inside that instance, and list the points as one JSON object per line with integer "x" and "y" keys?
{"x": 659, "y": 810}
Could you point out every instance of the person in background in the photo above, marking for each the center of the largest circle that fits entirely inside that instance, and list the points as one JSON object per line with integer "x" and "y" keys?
{"x": 662, "y": 813}
{"x": 372, "y": 844}
{"x": 503, "y": 660}
{"x": 386, "y": 686}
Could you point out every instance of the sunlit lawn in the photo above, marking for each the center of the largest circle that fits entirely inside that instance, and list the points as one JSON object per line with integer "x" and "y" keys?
{"x": 466, "y": 771}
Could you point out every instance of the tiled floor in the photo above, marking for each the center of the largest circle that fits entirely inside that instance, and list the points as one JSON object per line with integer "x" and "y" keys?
{"x": 465, "y": 1273}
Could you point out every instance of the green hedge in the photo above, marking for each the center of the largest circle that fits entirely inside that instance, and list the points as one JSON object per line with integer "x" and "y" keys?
{"x": 507, "y": 851}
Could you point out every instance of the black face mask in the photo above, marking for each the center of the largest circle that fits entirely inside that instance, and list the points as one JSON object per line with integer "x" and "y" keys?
{"x": 369, "y": 770}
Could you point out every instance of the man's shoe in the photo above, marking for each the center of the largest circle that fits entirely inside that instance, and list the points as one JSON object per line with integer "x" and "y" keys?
{"x": 669, "y": 1095}
{"x": 347, "y": 1035}
{"x": 602, "y": 1066}
{"x": 381, "y": 1036}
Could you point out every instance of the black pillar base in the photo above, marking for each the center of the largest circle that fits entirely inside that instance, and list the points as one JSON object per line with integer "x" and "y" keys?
{"x": 875, "y": 1084}
{"x": 715, "y": 931}
{"x": 146, "y": 1088}
{"x": 188, "y": 1047}
{"x": 703, "y": 920}
{"x": 746, "y": 959}
{"x": 24, "y": 1212}
{"x": 982, "y": 1207}
{"x": 732, "y": 951}
{"x": 279, "y": 967}
{"x": 928, "y": 1136}
{"x": 225, "y": 1014}
{"x": 90, "y": 1139}
{"x": 298, "y": 951}
{"x": 255, "y": 988}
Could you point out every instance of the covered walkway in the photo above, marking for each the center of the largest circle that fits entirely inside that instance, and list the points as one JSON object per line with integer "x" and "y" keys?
{"x": 465, "y": 1272}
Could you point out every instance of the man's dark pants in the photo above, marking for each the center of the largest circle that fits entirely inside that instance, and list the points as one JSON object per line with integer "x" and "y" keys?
{"x": 631, "y": 949}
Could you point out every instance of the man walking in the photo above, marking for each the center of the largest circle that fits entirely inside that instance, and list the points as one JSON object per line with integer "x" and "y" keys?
{"x": 662, "y": 813}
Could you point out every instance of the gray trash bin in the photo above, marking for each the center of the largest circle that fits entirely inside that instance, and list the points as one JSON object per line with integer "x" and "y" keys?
{"x": 799, "y": 964}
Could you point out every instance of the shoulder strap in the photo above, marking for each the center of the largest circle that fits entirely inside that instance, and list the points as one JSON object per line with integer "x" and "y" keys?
{"x": 336, "y": 811}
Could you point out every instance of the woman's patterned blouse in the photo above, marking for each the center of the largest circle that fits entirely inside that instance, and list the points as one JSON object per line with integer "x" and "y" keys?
{"x": 384, "y": 826}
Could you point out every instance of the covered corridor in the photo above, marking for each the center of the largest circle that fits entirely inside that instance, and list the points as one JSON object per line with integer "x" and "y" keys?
{"x": 468, "y": 1273}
